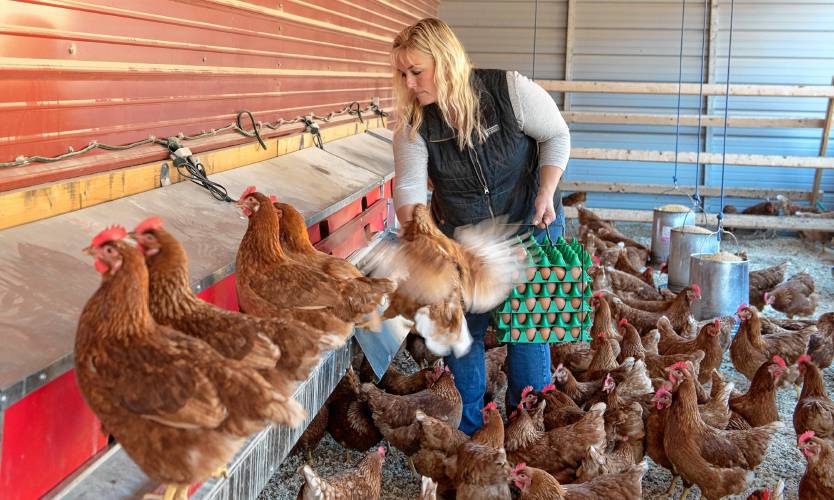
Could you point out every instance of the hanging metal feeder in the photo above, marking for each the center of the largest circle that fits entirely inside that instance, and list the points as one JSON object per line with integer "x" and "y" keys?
{"x": 724, "y": 280}
{"x": 664, "y": 219}
{"x": 685, "y": 241}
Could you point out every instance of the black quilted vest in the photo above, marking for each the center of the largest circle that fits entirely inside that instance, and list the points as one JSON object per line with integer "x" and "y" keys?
{"x": 497, "y": 177}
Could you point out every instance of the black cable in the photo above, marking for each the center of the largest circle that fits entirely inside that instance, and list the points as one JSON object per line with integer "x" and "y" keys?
{"x": 355, "y": 109}
{"x": 189, "y": 167}
{"x": 254, "y": 125}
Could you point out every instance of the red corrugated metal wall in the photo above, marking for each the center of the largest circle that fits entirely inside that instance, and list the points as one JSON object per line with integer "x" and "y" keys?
{"x": 119, "y": 71}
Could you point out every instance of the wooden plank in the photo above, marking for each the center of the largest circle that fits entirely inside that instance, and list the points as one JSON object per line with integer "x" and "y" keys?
{"x": 668, "y": 189}
{"x": 745, "y": 160}
{"x": 570, "y": 33}
{"x": 826, "y": 131}
{"x": 280, "y": 14}
{"x": 730, "y": 220}
{"x": 662, "y": 88}
{"x": 168, "y": 44}
{"x": 692, "y": 120}
{"x": 44, "y": 201}
{"x": 133, "y": 68}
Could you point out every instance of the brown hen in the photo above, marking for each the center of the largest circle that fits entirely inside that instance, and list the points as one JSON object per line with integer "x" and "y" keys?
{"x": 440, "y": 279}
{"x": 719, "y": 462}
{"x": 749, "y": 349}
{"x": 269, "y": 283}
{"x": 395, "y": 416}
{"x": 360, "y": 483}
{"x": 818, "y": 480}
{"x": 794, "y": 297}
{"x": 814, "y": 411}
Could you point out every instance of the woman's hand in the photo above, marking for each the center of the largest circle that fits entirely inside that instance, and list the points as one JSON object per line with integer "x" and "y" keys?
{"x": 545, "y": 212}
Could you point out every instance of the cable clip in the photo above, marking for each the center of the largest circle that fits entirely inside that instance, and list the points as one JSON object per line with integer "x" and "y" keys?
{"x": 377, "y": 110}
{"x": 313, "y": 128}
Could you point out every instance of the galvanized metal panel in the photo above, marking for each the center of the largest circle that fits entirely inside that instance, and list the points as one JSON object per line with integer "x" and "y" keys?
{"x": 773, "y": 42}
{"x": 119, "y": 71}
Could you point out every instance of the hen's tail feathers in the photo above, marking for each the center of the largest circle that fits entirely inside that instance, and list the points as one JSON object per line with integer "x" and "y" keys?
{"x": 286, "y": 411}
{"x": 637, "y": 381}
{"x": 428, "y": 488}
{"x": 314, "y": 483}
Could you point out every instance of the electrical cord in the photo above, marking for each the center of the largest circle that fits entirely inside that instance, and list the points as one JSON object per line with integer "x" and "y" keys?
{"x": 189, "y": 167}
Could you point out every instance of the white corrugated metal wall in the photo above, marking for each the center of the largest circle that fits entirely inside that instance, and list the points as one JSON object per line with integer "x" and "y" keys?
{"x": 774, "y": 42}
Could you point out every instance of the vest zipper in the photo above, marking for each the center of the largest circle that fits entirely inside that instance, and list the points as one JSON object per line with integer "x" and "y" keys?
{"x": 479, "y": 172}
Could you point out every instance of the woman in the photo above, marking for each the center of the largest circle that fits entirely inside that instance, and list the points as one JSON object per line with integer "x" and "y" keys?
{"x": 492, "y": 143}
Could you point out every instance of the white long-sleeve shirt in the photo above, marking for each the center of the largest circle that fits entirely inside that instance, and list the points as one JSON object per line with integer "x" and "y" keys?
{"x": 537, "y": 116}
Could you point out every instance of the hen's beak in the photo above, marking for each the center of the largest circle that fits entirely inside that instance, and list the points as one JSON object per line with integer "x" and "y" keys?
{"x": 88, "y": 250}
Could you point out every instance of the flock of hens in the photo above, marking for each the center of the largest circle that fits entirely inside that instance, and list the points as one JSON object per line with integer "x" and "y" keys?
{"x": 181, "y": 383}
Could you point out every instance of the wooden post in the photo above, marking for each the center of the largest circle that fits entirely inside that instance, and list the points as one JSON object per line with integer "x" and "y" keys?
{"x": 569, "y": 36}
{"x": 826, "y": 131}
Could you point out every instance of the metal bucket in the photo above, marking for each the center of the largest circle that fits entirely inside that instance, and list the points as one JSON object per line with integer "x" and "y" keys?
{"x": 682, "y": 245}
{"x": 662, "y": 223}
{"x": 724, "y": 286}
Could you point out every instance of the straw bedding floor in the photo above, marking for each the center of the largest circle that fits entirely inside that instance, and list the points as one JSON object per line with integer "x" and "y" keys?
{"x": 782, "y": 460}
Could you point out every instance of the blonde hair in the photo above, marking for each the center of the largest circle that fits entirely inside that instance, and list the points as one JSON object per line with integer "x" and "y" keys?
{"x": 455, "y": 97}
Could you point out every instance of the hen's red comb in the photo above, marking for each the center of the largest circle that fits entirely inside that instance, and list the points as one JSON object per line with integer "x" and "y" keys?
{"x": 526, "y": 391}
{"x": 381, "y": 451}
{"x": 766, "y": 494}
{"x": 743, "y": 306}
{"x": 597, "y": 295}
{"x": 249, "y": 190}
{"x": 716, "y": 323}
{"x": 697, "y": 289}
{"x": 779, "y": 361}
{"x": 151, "y": 223}
{"x": 519, "y": 467}
{"x": 273, "y": 198}
{"x": 548, "y": 388}
{"x": 680, "y": 365}
{"x": 490, "y": 406}
{"x": 805, "y": 358}
{"x": 112, "y": 233}
{"x": 805, "y": 437}
{"x": 622, "y": 322}
{"x": 595, "y": 260}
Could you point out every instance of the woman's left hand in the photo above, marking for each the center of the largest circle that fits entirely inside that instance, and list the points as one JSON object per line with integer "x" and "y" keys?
{"x": 545, "y": 211}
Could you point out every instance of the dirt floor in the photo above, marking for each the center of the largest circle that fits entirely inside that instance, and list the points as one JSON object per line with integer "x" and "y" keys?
{"x": 782, "y": 460}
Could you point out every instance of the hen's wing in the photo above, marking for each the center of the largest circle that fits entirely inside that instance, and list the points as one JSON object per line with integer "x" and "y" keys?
{"x": 814, "y": 414}
{"x": 492, "y": 263}
{"x": 297, "y": 285}
{"x": 424, "y": 267}
{"x": 160, "y": 381}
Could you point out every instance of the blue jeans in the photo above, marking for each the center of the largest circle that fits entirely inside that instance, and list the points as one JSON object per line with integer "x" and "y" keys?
{"x": 527, "y": 364}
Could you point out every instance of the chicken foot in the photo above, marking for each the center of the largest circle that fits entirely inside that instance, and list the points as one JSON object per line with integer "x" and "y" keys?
{"x": 172, "y": 492}
{"x": 222, "y": 471}
{"x": 414, "y": 473}
{"x": 672, "y": 484}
